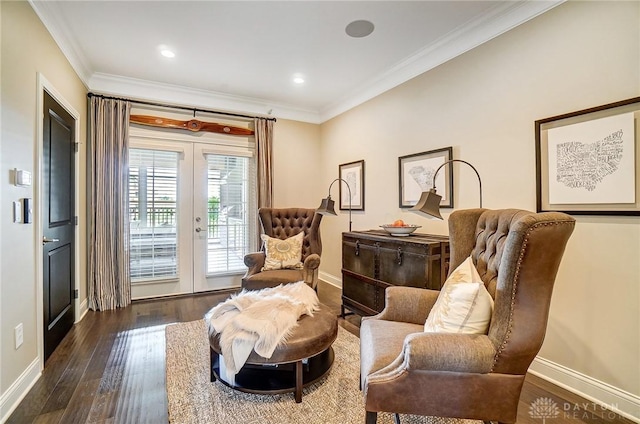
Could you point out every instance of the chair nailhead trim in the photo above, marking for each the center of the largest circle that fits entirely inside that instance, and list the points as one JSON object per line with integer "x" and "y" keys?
{"x": 515, "y": 285}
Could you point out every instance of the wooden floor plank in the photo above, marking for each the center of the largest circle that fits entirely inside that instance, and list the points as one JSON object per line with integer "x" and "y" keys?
{"x": 68, "y": 382}
{"x": 104, "y": 404}
{"x": 53, "y": 417}
{"x": 143, "y": 397}
{"x": 79, "y": 406}
{"x": 110, "y": 368}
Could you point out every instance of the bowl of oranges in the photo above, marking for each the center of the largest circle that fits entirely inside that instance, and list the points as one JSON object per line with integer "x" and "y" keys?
{"x": 399, "y": 228}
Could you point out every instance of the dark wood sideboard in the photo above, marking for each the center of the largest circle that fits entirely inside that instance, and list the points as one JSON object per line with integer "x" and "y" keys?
{"x": 374, "y": 260}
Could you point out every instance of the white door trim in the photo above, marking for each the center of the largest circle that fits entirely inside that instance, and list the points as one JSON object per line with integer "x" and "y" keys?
{"x": 183, "y": 283}
{"x": 44, "y": 84}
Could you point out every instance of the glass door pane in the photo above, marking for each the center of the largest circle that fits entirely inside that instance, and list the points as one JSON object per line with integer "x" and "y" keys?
{"x": 153, "y": 198}
{"x": 227, "y": 236}
{"x": 227, "y": 209}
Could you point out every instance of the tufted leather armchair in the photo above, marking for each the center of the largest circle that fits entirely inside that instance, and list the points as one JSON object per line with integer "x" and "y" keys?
{"x": 405, "y": 370}
{"x": 282, "y": 224}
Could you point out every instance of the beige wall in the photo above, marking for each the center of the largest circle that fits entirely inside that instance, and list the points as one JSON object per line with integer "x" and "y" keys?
{"x": 27, "y": 49}
{"x": 296, "y": 173}
{"x": 484, "y": 104}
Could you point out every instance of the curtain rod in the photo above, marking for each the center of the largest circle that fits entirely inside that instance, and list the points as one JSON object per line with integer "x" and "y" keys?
{"x": 191, "y": 109}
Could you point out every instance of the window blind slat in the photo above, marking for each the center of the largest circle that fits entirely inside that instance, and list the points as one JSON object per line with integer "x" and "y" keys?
{"x": 153, "y": 193}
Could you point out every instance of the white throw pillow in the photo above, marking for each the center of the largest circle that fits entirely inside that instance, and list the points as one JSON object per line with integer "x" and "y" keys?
{"x": 463, "y": 306}
{"x": 282, "y": 254}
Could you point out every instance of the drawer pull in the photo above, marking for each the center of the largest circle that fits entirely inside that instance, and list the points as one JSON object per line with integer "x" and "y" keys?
{"x": 399, "y": 256}
{"x": 357, "y": 252}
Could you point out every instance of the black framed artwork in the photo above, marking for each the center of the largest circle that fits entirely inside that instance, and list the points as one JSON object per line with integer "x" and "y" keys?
{"x": 416, "y": 174}
{"x": 587, "y": 161}
{"x": 353, "y": 174}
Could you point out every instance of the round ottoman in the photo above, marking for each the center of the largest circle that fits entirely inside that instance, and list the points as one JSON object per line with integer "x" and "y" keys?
{"x": 304, "y": 358}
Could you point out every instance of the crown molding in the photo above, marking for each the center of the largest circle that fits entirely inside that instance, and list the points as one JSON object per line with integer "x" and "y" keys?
{"x": 499, "y": 20}
{"x": 139, "y": 89}
{"x": 54, "y": 23}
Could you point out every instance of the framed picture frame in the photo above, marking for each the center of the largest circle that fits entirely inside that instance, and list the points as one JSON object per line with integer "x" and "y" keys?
{"x": 588, "y": 162}
{"x": 416, "y": 174}
{"x": 353, "y": 174}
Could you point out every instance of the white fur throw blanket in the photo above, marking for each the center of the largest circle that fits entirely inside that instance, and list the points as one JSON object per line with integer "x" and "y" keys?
{"x": 258, "y": 320}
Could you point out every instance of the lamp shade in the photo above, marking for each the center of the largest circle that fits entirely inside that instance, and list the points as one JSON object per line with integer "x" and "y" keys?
{"x": 429, "y": 204}
{"x": 327, "y": 207}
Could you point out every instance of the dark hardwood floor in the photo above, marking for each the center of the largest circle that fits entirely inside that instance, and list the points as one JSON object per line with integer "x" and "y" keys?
{"x": 110, "y": 369}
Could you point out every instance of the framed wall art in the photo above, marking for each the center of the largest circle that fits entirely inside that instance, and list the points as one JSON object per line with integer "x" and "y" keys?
{"x": 416, "y": 175}
{"x": 353, "y": 174}
{"x": 587, "y": 162}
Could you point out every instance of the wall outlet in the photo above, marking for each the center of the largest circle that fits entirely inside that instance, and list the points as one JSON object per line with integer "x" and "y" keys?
{"x": 18, "y": 333}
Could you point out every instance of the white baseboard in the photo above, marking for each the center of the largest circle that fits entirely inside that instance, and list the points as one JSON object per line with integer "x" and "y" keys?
{"x": 331, "y": 279}
{"x": 603, "y": 394}
{"x": 81, "y": 309}
{"x": 10, "y": 399}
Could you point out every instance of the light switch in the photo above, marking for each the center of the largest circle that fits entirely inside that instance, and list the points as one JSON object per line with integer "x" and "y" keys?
{"x": 17, "y": 212}
{"x": 18, "y": 333}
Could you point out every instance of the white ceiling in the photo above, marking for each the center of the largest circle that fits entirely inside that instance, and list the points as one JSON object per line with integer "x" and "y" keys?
{"x": 242, "y": 55}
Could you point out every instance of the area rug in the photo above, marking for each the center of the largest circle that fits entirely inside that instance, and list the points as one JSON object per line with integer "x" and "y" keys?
{"x": 336, "y": 399}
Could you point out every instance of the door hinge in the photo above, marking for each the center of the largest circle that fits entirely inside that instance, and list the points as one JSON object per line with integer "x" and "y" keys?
{"x": 75, "y": 294}
{"x": 75, "y": 220}
{"x": 76, "y": 147}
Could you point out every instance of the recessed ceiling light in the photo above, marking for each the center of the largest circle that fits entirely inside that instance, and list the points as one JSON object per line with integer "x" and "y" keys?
{"x": 298, "y": 80}
{"x": 359, "y": 29}
{"x": 167, "y": 53}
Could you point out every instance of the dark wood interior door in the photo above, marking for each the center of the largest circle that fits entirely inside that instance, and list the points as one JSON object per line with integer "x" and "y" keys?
{"x": 58, "y": 222}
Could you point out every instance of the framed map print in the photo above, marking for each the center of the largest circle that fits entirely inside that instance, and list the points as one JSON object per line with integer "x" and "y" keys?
{"x": 587, "y": 161}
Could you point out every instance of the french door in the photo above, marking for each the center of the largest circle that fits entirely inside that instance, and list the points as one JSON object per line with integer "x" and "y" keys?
{"x": 192, "y": 216}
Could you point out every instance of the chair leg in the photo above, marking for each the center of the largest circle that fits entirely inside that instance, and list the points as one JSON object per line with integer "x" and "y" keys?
{"x": 371, "y": 417}
{"x": 396, "y": 418}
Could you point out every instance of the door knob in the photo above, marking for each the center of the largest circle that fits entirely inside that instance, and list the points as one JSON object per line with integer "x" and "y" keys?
{"x": 48, "y": 240}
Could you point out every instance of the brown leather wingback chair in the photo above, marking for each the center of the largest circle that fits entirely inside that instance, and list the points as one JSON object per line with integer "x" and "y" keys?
{"x": 405, "y": 370}
{"x": 282, "y": 224}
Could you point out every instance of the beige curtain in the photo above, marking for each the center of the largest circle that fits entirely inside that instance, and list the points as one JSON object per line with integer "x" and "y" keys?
{"x": 264, "y": 150}
{"x": 264, "y": 143}
{"x": 109, "y": 285}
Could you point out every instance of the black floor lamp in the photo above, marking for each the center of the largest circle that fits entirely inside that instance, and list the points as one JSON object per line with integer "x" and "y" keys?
{"x": 429, "y": 203}
{"x": 327, "y": 205}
